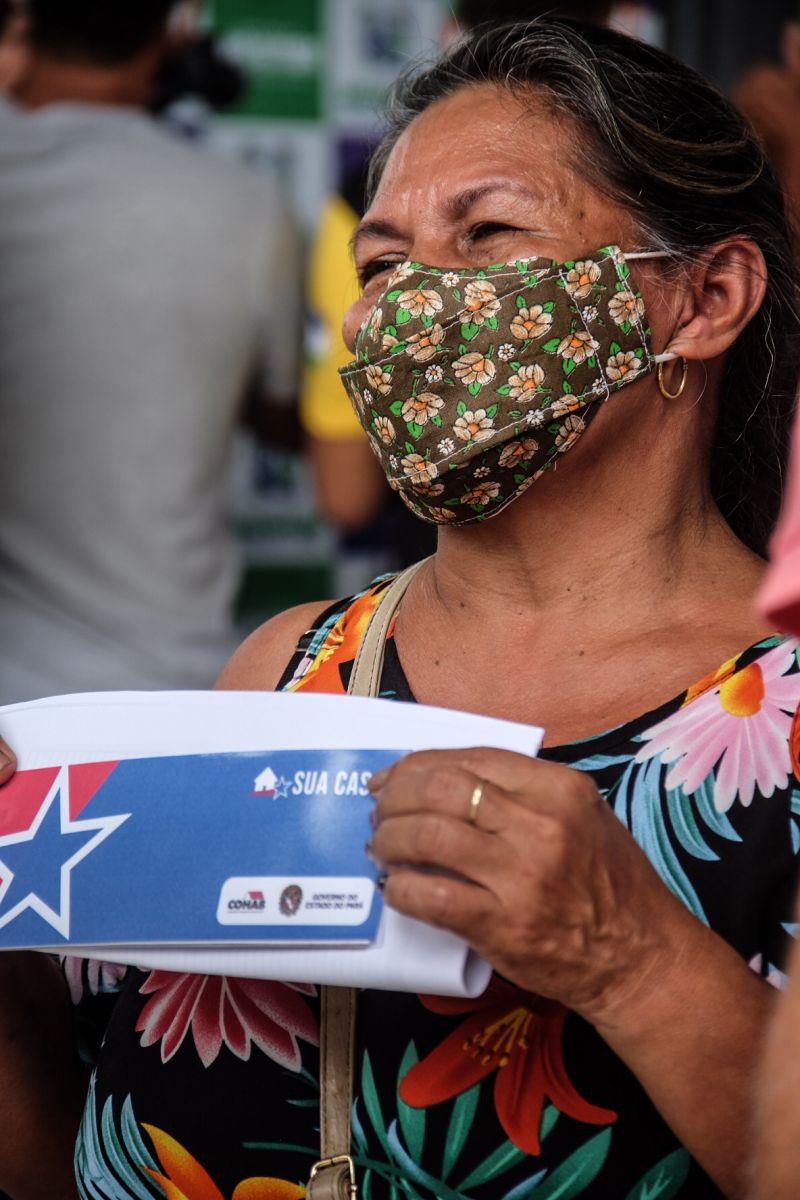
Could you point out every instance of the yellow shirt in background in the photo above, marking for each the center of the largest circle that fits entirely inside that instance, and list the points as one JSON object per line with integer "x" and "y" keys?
{"x": 325, "y": 409}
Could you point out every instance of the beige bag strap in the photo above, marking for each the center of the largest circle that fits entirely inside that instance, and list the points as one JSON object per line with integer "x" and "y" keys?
{"x": 368, "y": 664}
{"x": 333, "y": 1177}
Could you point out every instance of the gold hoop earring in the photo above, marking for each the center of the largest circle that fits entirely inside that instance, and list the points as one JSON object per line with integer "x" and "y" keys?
{"x": 672, "y": 395}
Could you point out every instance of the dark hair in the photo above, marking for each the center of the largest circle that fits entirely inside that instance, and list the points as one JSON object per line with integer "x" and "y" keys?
{"x": 668, "y": 146}
{"x": 108, "y": 32}
{"x": 472, "y": 13}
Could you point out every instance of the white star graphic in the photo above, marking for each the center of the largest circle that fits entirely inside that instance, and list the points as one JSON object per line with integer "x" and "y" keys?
{"x": 282, "y": 788}
{"x": 105, "y": 826}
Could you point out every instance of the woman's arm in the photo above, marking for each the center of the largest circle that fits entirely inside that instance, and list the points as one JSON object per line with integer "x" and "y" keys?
{"x": 549, "y": 886}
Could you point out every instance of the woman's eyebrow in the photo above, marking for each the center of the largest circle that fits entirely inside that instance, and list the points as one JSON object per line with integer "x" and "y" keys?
{"x": 459, "y": 205}
{"x": 374, "y": 229}
{"x": 456, "y": 208}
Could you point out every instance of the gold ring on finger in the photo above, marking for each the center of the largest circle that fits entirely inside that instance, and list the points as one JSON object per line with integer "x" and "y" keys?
{"x": 475, "y": 801}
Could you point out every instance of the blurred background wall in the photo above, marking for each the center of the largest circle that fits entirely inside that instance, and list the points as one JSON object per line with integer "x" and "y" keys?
{"x": 722, "y": 38}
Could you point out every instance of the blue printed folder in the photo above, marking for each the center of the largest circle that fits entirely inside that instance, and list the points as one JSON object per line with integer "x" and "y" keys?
{"x": 220, "y": 848}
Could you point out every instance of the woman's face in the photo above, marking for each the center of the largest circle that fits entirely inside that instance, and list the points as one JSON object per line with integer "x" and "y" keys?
{"x": 478, "y": 178}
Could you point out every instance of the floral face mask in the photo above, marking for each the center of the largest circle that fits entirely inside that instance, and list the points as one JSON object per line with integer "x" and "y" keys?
{"x": 471, "y": 384}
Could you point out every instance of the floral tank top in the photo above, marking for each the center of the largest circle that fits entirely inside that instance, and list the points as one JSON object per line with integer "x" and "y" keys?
{"x": 207, "y": 1088}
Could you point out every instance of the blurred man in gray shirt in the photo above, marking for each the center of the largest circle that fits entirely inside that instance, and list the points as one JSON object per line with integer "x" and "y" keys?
{"x": 145, "y": 289}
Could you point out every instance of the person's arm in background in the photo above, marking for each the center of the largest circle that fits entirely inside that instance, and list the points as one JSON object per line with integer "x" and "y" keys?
{"x": 348, "y": 482}
{"x": 42, "y": 1084}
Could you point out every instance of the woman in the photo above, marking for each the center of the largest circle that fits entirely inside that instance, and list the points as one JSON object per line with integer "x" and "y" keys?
{"x": 622, "y": 884}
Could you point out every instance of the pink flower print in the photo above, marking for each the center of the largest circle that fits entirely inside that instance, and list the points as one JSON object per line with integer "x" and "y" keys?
{"x": 236, "y": 1013}
{"x": 739, "y": 728}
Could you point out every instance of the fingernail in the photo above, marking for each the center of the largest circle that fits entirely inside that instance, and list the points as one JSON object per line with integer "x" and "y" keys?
{"x": 379, "y": 779}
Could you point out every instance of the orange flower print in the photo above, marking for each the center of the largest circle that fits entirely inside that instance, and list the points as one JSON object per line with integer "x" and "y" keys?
{"x": 582, "y": 278}
{"x": 712, "y": 680}
{"x": 624, "y": 306}
{"x": 418, "y": 469}
{"x": 474, "y": 368}
{"x": 578, "y": 346}
{"x": 480, "y": 299}
{"x": 422, "y": 346}
{"x": 482, "y": 493}
{"x": 379, "y": 379}
{"x": 473, "y": 426}
{"x": 531, "y": 322}
{"x": 420, "y": 302}
{"x": 341, "y": 642}
{"x": 516, "y": 1036}
{"x": 620, "y": 365}
{"x": 526, "y": 382}
{"x": 423, "y": 488}
{"x": 569, "y": 433}
{"x": 517, "y": 452}
{"x": 421, "y": 408}
{"x": 562, "y": 406}
{"x": 182, "y": 1178}
{"x": 385, "y": 430}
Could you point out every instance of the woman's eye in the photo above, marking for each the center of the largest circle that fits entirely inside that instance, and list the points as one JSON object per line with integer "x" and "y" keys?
{"x": 376, "y": 267}
{"x": 489, "y": 229}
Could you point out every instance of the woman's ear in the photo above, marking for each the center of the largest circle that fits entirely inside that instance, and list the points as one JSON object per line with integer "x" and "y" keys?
{"x": 725, "y": 289}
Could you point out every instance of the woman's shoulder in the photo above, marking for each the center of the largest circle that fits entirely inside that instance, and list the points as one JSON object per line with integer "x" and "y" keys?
{"x": 309, "y": 634}
{"x": 260, "y": 661}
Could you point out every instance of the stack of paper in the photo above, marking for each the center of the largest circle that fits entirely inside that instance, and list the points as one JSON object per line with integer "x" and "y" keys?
{"x": 221, "y": 833}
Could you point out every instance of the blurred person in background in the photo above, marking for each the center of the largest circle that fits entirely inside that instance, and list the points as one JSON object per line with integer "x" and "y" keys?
{"x": 148, "y": 298}
{"x": 350, "y": 488}
{"x": 777, "y": 1165}
{"x": 13, "y": 45}
{"x": 769, "y": 96}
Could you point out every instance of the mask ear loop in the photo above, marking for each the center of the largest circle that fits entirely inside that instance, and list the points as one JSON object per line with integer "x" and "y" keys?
{"x": 668, "y": 355}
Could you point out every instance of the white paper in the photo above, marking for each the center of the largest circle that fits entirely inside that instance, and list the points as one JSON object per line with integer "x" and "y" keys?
{"x": 409, "y": 956}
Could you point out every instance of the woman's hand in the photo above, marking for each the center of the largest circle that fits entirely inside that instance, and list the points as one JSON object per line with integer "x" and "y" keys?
{"x": 537, "y": 873}
{"x": 8, "y": 762}
{"x": 544, "y": 882}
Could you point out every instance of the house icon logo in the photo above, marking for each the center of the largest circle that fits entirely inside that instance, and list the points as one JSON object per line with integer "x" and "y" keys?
{"x": 270, "y": 785}
{"x": 266, "y": 782}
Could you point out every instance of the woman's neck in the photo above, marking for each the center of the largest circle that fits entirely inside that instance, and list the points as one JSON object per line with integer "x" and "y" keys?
{"x": 617, "y": 536}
